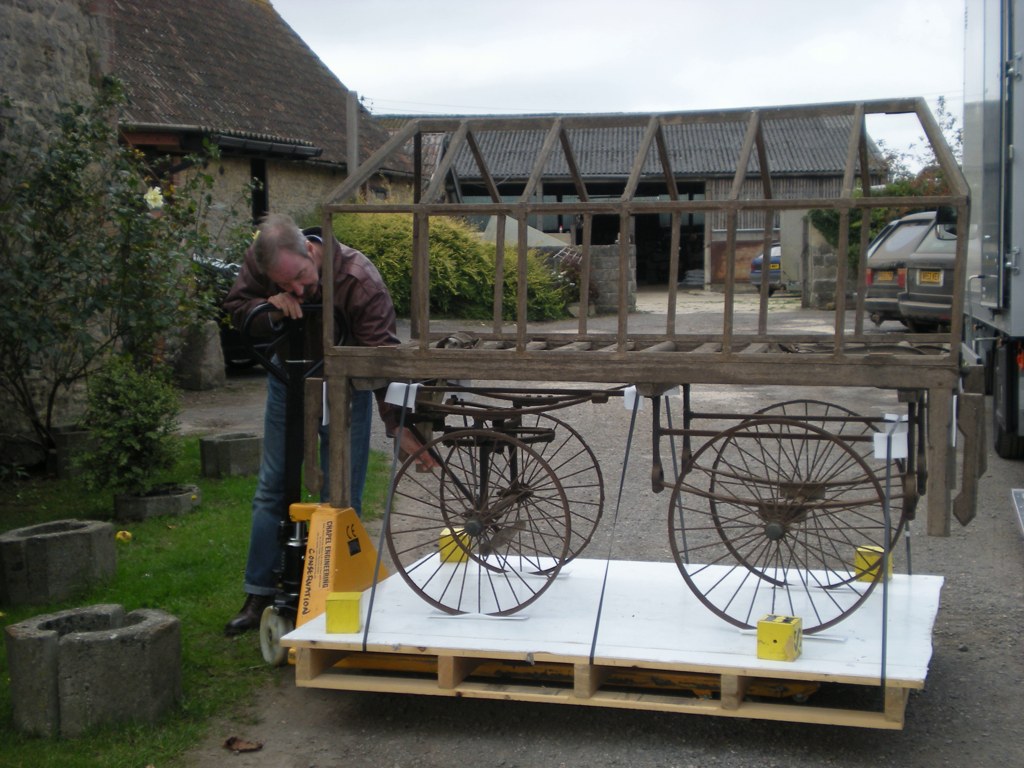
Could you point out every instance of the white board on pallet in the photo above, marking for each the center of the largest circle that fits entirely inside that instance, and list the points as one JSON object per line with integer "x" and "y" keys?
{"x": 648, "y": 617}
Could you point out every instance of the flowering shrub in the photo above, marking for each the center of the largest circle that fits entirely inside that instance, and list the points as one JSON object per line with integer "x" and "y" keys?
{"x": 96, "y": 242}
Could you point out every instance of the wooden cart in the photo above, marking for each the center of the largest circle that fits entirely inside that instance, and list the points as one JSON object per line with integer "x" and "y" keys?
{"x": 478, "y": 514}
{"x": 927, "y": 370}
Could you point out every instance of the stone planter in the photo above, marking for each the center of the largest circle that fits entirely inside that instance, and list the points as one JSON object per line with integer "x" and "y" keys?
{"x": 74, "y": 670}
{"x": 162, "y": 501}
{"x": 53, "y": 561}
{"x": 235, "y": 453}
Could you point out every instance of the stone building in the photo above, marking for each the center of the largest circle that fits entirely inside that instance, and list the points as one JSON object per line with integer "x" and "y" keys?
{"x": 231, "y": 73}
{"x": 234, "y": 74}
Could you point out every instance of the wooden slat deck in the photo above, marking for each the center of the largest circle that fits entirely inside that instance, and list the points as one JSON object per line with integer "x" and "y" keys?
{"x": 777, "y": 360}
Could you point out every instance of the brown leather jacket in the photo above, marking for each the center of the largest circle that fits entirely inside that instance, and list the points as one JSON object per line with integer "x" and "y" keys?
{"x": 363, "y": 312}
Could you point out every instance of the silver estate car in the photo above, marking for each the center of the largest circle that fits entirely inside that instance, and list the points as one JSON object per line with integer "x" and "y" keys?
{"x": 926, "y": 302}
{"x": 887, "y": 264}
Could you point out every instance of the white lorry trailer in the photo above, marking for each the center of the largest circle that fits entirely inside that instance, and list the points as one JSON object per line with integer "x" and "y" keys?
{"x": 993, "y": 159}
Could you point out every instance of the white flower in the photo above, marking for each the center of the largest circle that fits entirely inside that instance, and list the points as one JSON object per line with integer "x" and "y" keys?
{"x": 154, "y": 198}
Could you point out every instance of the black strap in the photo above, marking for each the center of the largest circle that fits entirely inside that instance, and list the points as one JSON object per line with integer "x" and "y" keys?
{"x": 615, "y": 520}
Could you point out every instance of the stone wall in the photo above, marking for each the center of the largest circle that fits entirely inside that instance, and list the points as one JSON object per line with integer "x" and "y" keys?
{"x": 52, "y": 52}
{"x": 822, "y": 272}
{"x": 604, "y": 272}
{"x": 230, "y": 205}
{"x": 296, "y": 189}
{"x": 299, "y": 190}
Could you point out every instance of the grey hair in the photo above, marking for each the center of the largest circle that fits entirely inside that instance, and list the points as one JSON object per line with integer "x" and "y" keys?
{"x": 277, "y": 232}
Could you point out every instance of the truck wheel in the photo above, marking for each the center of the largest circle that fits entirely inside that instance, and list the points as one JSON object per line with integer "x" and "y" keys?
{"x": 1006, "y": 444}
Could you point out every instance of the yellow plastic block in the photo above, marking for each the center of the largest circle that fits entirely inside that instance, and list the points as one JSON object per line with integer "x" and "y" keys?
{"x": 449, "y": 547}
{"x": 343, "y": 615}
{"x": 866, "y": 560}
{"x": 779, "y": 638}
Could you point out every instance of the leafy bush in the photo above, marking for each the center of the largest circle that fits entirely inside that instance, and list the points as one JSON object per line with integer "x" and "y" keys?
{"x": 547, "y": 293}
{"x": 462, "y": 267}
{"x": 132, "y": 415}
{"x": 904, "y": 181}
{"x": 95, "y": 249}
{"x": 826, "y": 221}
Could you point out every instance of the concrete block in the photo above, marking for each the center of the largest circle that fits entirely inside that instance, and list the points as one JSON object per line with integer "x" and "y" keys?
{"x": 77, "y": 669}
{"x": 235, "y": 453}
{"x": 53, "y": 561}
{"x": 33, "y": 660}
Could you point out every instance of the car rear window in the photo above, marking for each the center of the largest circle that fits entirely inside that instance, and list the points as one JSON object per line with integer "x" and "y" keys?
{"x": 938, "y": 242}
{"x": 903, "y": 240}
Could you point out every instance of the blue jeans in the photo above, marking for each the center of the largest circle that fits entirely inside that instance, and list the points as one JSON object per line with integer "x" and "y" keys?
{"x": 269, "y": 506}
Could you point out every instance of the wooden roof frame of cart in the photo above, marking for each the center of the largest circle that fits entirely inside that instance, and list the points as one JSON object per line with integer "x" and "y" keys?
{"x": 845, "y": 357}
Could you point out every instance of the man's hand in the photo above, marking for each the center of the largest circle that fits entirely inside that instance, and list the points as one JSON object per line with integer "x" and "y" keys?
{"x": 288, "y": 305}
{"x": 410, "y": 444}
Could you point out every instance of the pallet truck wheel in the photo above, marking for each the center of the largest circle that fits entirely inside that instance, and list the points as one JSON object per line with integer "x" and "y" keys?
{"x": 274, "y": 626}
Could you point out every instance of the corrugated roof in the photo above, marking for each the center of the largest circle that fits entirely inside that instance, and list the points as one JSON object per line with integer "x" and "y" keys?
{"x": 794, "y": 146}
{"x": 234, "y": 66}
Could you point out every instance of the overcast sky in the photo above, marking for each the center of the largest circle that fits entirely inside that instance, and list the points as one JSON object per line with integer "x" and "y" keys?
{"x": 542, "y": 56}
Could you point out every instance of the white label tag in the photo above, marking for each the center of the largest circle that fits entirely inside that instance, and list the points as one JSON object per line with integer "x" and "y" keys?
{"x": 630, "y": 397}
{"x": 402, "y": 394}
{"x": 898, "y": 449}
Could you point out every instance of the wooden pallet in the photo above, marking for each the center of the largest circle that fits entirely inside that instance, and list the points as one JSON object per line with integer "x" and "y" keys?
{"x": 657, "y": 648}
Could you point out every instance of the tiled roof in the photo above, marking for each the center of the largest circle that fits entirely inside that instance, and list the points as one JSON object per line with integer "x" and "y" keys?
{"x": 233, "y": 67}
{"x": 802, "y": 146}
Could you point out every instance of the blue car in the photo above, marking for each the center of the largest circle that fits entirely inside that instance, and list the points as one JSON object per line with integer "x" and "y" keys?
{"x": 774, "y": 269}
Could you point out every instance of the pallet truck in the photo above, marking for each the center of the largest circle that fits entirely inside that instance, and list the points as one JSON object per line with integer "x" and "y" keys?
{"x": 323, "y": 549}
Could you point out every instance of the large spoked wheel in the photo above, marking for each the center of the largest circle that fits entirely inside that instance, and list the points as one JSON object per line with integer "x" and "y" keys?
{"x": 859, "y": 435}
{"x": 577, "y": 469}
{"x": 769, "y": 518}
{"x": 486, "y": 532}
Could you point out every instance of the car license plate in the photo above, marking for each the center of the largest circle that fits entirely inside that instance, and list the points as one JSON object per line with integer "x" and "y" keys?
{"x": 929, "y": 277}
{"x": 884, "y": 276}
{"x": 775, "y": 266}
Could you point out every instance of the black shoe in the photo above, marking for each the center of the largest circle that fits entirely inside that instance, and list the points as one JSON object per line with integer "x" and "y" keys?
{"x": 249, "y": 617}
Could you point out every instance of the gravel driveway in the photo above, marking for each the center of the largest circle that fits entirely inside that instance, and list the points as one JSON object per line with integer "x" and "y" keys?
{"x": 969, "y": 714}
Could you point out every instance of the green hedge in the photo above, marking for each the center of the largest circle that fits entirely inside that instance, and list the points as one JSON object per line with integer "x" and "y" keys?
{"x": 462, "y": 268}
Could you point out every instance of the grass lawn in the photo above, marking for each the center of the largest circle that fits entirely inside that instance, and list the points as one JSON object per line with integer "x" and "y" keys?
{"x": 189, "y": 566}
